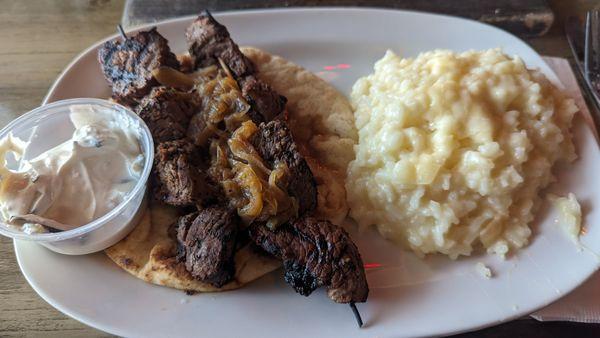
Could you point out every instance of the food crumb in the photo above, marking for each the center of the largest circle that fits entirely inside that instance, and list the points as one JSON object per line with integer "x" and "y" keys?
{"x": 483, "y": 270}
{"x": 569, "y": 215}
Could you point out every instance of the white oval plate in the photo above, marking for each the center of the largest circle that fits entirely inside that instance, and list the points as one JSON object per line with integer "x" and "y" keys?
{"x": 409, "y": 297}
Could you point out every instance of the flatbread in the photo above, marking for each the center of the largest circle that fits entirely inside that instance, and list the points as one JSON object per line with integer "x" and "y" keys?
{"x": 148, "y": 253}
{"x": 322, "y": 124}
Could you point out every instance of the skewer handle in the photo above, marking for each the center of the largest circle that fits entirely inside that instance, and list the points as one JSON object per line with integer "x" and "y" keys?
{"x": 121, "y": 31}
{"x": 359, "y": 320}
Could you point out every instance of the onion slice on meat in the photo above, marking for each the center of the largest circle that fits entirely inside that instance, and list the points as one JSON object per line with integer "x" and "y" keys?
{"x": 170, "y": 77}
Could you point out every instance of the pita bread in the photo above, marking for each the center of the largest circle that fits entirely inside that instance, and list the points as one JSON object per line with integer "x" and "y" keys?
{"x": 148, "y": 253}
{"x": 322, "y": 124}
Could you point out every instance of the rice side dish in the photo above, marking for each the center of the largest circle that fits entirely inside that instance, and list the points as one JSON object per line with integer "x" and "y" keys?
{"x": 454, "y": 149}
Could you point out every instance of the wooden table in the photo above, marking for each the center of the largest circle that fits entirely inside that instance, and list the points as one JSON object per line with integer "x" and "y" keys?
{"x": 38, "y": 38}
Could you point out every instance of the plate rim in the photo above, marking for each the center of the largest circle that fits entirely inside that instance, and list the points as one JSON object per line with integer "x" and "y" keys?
{"x": 97, "y": 43}
{"x": 113, "y": 330}
{"x": 62, "y": 309}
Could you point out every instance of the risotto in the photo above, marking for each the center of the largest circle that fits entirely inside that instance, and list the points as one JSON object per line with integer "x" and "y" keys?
{"x": 454, "y": 148}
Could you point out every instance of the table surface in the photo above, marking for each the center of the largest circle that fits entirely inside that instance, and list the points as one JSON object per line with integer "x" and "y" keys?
{"x": 38, "y": 38}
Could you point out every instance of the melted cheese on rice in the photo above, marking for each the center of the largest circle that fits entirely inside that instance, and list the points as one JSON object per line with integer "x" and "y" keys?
{"x": 454, "y": 148}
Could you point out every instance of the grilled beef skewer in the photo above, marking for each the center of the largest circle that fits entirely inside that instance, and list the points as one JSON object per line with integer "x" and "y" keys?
{"x": 274, "y": 144}
{"x": 167, "y": 112}
{"x": 316, "y": 253}
{"x": 127, "y": 65}
{"x": 179, "y": 179}
{"x": 209, "y": 42}
{"x": 206, "y": 244}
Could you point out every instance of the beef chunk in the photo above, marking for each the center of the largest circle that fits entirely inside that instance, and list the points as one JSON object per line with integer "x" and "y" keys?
{"x": 180, "y": 178}
{"x": 316, "y": 253}
{"x": 263, "y": 99}
{"x": 275, "y": 144}
{"x": 209, "y": 41}
{"x": 127, "y": 65}
{"x": 196, "y": 129}
{"x": 206, "y": 243}
{"x": 181, "y": 231}
{"x": 167, "y": 112}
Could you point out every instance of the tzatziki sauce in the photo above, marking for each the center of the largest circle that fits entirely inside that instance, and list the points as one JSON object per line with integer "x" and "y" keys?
{"x": 75, "y": 182}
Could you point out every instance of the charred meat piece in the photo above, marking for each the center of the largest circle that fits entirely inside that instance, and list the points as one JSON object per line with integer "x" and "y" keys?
{"x": 206, "y": 243}
{"x": 128, "y": 64}
{"x": 209, "y": 41}
{"x": 179, "y": 176}
{"x": 275, "y": 144}
{"x": 263, "y": 99}
{"x": 167, "y": 112}
{"x": 316, "y": 253}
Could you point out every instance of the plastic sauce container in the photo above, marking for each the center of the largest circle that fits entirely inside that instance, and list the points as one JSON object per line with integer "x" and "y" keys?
{"x": 49, "y": 126}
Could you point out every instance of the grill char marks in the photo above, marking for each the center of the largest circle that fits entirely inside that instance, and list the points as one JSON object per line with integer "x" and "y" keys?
{"x": 206, "y": 244}
{"x": 209, "y": 41}
{"x": 127, "y": 65}
{"x": 275, "y": 144}
{"x": 167, "y": 112}
{"x": 316, "y": 253}
{"x": 179, "y": 178}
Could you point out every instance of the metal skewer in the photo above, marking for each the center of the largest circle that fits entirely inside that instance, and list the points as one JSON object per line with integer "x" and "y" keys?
{"x": 359, "y": 320}
{"x": 121, "y": 31}
{"x": 208, "y": 13}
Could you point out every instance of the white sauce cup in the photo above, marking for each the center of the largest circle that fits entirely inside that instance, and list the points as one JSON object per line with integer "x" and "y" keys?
{"x": 49, "y": 126}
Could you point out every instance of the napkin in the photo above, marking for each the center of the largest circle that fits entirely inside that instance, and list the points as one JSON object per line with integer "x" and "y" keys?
{"x": 583, "y": 304}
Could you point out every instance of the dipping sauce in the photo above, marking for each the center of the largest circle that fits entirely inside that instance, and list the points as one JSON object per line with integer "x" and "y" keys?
{"x": 75, "y": 182}
{"x": 454, "y": 149}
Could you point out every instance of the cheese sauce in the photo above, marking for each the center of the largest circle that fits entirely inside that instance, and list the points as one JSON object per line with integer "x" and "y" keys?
{"x": 75, "y": 182}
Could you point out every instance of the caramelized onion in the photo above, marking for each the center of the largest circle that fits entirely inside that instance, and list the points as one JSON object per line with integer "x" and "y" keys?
{"x": 258, "y": 192}
{"x": 205, "y": 74}
{"x": 222, "y": 98}
{"x": 170, "y": 77}
{"x": 252, "y": 188}
{"x": 240, "y": 147}
{"x": 224, "y": 108}
{"x": 225, "y": 68}
{"x": 286, "y": 207}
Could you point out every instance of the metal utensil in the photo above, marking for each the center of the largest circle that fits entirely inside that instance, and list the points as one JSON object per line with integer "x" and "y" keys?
{"x": 585, "y": 46}
{"x": 591, "y": 61}
{"x": 576, "y": 39}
